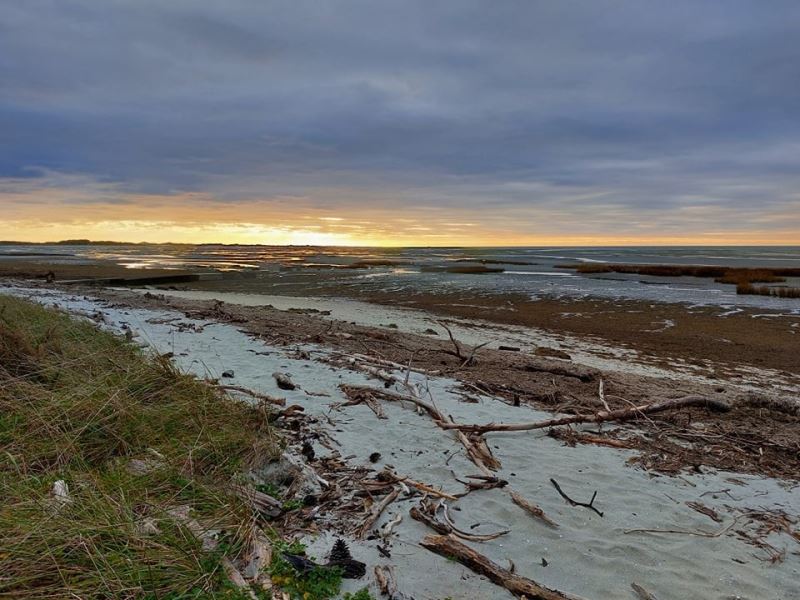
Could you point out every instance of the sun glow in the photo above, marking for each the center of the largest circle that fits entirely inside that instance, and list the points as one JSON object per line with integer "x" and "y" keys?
{"x": 53, "y": 209}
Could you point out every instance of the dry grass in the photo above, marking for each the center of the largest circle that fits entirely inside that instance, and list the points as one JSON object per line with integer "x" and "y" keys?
{"x": 78, "y": 404}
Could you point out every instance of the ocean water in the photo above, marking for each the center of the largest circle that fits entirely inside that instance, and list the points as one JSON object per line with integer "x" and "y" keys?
{"x": 534, "y": 271}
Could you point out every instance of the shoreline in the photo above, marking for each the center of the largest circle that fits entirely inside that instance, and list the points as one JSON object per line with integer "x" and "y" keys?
{"x": 539, "y": 380}
{"x": 732, "y": 335}
{"x": 333, "y": 361}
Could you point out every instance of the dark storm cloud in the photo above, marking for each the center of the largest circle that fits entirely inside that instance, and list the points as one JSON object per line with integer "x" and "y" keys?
{"x": 654, "y": 104}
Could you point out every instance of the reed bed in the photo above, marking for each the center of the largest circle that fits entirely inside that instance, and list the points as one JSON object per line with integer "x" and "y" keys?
{"x": 765, "y": 290}
{"x": 732, "y": 275}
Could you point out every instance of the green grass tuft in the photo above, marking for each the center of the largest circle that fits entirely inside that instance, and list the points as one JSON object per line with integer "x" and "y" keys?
{"x": 77, "y": 404}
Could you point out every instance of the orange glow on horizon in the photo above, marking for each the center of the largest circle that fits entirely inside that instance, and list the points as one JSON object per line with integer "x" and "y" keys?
{"x": 305, "y": 235}
{"x": 34, "y": 212}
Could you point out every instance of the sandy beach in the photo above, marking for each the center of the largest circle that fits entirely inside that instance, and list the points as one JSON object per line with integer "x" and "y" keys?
{"x": 691, "y": 499}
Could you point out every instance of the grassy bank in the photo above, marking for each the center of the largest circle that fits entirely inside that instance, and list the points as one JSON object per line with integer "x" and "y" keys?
{"x": 132, "y": 440}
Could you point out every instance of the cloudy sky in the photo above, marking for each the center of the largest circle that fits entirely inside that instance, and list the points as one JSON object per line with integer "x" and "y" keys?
{"x": 408, "y": 122}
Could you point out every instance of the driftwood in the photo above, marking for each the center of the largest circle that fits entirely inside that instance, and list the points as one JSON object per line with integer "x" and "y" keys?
{"x": 458, "y": 353}
{"x": 426, "y": 488}
{"x": 480, "y": 482}
{"x": 374, "y": 371}
{"x": 386, "y": 531}
{"x": 259, "y": 501}
{"x": 572, "y": 437}
{"x": 472, "y": 537}
{"x": 589, "y": 505}
{"x": 422, "y": 513}
{"x": 642, "y": 593}
{"x": 209, "y": 543}
{"x": 382, "y": 362}
{"x": 423, "y": 517}
{"x": 477, "y": 450}
{"x": 384, "y": 577}
{"x": 624, "y": 414}
{"x": 450, "y": 547}
{"x": 697, "y": 533}
{"x": 705, "y": 510}
{"x": 375, "y": 513}
{"x": 532, "y": 509}
{"x": 253, "y": 394}
{"x": 258, "y": 555}
{"x": 237, "y": 579}
{"x": 360, "y": 395}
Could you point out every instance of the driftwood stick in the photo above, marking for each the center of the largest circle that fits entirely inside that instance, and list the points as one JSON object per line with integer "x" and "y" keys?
{"x": 374, "y": 371}
{"x": 602, "y": 394}
{"x": 253, "y": 394}
{"x": 642, "y": 593}
{"x": 375, "y": 513}
{"x": 458, "y": 354}
{"x": 469, "y": 360}
{"x": 472, "y": 537}
{"x": 420, "y": 515}
{"x": 426, "y": 488}
{"x": 259, "y": 501}
{"x": 624, "y": 414}
{"x": 384, "y": 577}
{"x": 237, "y": 579}
{"x": 532, "y": 509}
{"x": 450, "y": 547}
{"x": 374, "y": 360}
{"x": 705, "y": 534}
{"x": 589, "y": 505}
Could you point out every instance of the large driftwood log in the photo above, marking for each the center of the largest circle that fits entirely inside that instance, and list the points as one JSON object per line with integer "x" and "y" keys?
{"x": 450, "y": 547}
{"x": 624, "y": 414}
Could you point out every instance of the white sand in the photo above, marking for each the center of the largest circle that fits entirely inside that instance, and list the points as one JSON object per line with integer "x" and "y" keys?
{"x": 584, "y": 350}
{"x": 587, "y": 556}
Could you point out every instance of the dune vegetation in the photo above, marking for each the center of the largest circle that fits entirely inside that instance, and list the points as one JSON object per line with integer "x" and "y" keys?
{"x": 109, "y": 456}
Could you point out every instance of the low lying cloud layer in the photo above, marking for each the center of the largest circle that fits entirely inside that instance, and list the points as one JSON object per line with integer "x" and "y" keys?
{"x": 427, "y": 122}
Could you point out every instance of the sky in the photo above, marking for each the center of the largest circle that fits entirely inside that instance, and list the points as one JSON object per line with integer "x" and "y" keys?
{"x": 377, "y": 122}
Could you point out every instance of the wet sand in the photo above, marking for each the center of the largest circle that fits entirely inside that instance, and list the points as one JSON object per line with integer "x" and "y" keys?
{"x": 760, "y": 338}
{"x": 757, "y": 337}
{"x": 38, "y": 270}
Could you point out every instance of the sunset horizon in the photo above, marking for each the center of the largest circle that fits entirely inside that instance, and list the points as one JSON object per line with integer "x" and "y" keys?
{"x": 528, "y": 124}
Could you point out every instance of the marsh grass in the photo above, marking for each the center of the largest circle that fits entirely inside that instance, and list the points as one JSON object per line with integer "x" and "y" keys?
{"x": 732, "y": 275}
{"x": 78, "y": 404}
{"x": 747, "y": 288}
